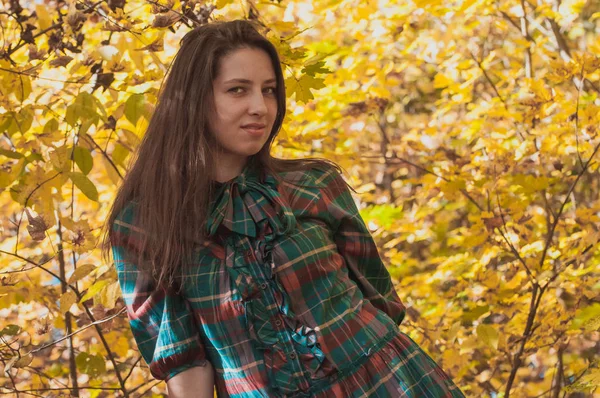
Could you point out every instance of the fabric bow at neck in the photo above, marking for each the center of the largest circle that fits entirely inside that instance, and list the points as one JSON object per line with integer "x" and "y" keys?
{"x": 241, "y": 203}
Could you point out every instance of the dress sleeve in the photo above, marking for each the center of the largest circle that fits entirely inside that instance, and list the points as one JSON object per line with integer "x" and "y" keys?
{"x": 355, "y": 243}
{"x": 161, "y": 321}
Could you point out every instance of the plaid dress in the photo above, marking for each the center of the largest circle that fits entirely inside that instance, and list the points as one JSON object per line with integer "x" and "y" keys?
{"x": 288, "y": 298}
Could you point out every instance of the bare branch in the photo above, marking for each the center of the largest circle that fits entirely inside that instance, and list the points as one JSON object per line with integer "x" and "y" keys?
{"x": 97, "y": 322}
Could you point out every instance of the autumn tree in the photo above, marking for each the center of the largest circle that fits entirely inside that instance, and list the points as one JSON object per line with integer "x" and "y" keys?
{"x": 470, "y": 129}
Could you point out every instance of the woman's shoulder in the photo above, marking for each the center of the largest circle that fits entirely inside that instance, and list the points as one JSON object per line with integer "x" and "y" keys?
{"x": 318, "y": 175}
{"x": 125, "y": 219}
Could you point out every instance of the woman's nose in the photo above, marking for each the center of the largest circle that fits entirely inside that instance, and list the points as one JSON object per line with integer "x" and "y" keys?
{"x": 257, "y": 104}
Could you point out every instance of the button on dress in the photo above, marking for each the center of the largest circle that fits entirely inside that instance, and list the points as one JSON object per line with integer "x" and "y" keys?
{"x": 287, "y": 298}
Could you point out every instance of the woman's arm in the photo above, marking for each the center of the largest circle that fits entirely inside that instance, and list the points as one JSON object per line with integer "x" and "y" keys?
{"x": 355, "y": 243}
{"x": 196, "y": 382}
{"x": 162, "y": 321}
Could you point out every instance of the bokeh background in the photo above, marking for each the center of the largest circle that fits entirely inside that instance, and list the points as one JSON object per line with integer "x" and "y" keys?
{"x": 469, "y": 128}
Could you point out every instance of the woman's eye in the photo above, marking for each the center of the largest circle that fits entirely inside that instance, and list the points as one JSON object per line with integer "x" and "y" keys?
{"x": 234, "y": 90}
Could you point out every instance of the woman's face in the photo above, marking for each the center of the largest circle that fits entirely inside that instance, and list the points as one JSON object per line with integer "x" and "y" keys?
{"x": 245, "y": 102}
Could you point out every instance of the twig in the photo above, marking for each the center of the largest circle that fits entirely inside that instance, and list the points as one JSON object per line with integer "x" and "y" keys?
{"x": 562, "y": 207}
{"x": 559, "y": 373}
{"x": 536, "y": 295}
{"x": 25, "y": 205}
{"x": 97, "y": 322}
{"x": 103, "y": 152}
{"x": 68, "y": 325}
{"x": 513, "y": 249}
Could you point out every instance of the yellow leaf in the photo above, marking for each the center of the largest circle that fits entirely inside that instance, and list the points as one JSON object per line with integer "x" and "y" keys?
{"x": 452, "y": 187}
{"x": 94, "y": 289}
{"x": 67, "y": 300}
{"x": 24, "y": 361}
{"x": 488, "y": 335}
{"x": 43, "y": 19}
{"x": 122, "y": 346}
{"x": 451, "y": 335}
{"x": 222, "y": 3}
{"x": 111, "y": 172}
{"x": 81, "y": 272}
{"x": 441, "y": 81}
{"x": 109, "y": 295}
{"x": 491, "y": 280}
{"x": 61, "y": 158}
{"x": 540, "y": 91}
{"x": 302, "y": 87}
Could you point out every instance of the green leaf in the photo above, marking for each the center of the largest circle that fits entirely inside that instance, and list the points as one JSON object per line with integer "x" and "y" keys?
{"x": 475, "y": 313}
{"x": 302, "y": 87}
{"x": 34, "y": 156}
{"x": 85, "y": 185}
{"x": 10, "y": 154}
{"x": 134, "y": 107}
{"x": 17, "y": 122}
{"x": 318, "y": 67}
{"x": 83, "y": 108}
{"x": 22, "y": 87}
{"x": 587, "y": 383}
{"x": 51, "y": 126}
{"x": 384, "y": 214}
{"x": 92, "y": 365}
{"x": 587, "y": 318}
{"x": 100, "y": 107}
{"x": 83, "y": 159}
{"x": 488, "y": 335}
{"x": 24, "y": 361}
{"x": 10, "y": 330}
{"x": 119, "y": 154}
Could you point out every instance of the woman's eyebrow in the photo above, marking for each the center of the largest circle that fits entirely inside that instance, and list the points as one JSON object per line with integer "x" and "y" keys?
{"x": 237, "y": 80}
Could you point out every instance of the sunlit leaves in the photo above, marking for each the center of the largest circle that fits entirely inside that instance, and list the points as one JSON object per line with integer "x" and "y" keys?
{"x": 84, "y": 109}
{"x": 81, "y": 272}
{"x": 109, "y": 295}
{"x": 78, "y": 234}
{"x": 67, "y": 300}
{"x": 134, "y": 108}
{"x": 92, "y": 365}
{"x": 95, "y": 289}
{"x": 302, "y": 87}
{"x": 16, "y": 122}
{"x": 464, "y": 163}
{"x": 83, "y": 159}
{"x": 488, "y": 335}
{"x": 14, "y": 84}
{"x": 85, "y": 185}
{"x": 587, "y": 318}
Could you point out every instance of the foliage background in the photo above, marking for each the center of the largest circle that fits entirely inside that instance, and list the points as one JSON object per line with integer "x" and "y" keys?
{"x": 470, "y": 129}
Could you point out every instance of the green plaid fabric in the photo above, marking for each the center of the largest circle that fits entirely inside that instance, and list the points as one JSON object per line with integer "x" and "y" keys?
{"x": 288, "y": 298}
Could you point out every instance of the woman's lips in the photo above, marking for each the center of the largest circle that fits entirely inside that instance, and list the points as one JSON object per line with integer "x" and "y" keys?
{"x": 254, "y": 130}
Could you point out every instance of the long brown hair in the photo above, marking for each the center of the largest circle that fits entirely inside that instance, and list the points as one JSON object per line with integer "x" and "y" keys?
{"x": 169, "y": 177}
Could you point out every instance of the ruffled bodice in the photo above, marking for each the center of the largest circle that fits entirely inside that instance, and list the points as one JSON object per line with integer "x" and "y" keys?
{"x": 249, "y": 209}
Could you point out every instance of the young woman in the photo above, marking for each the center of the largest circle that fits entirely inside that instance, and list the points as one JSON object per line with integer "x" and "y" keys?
{"x": 245, "y": 272}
